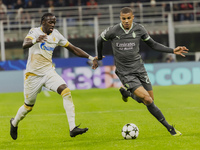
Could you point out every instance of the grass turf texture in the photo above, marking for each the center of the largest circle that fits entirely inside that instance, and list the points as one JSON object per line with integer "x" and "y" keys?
{"x": 104, "y": 112}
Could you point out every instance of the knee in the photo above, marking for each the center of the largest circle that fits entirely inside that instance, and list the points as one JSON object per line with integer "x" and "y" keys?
{"x": 147, "y": 99}
{"x": 61, "y": 88}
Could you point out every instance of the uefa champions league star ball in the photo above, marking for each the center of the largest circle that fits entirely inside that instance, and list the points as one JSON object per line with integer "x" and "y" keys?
{"x": 130, "y": 131}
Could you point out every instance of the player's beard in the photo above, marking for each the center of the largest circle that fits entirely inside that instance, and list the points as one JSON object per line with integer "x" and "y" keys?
{"x": 127, "y": 27}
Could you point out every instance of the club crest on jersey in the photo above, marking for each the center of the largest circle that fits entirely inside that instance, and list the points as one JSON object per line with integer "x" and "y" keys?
{"x": 44, "y": 47}
{"x": 133, "y": 34}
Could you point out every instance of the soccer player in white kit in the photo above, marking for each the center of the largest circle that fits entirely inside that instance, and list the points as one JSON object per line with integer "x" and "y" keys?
{"x": 40, "y": 72}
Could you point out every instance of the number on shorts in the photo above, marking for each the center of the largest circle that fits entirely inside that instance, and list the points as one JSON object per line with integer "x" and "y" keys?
{"x": 147, "y": 79}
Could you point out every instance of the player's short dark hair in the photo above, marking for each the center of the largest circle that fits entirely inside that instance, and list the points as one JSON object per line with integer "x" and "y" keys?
{"x": 126, "y": 10}
{"x": 45, "y": 16}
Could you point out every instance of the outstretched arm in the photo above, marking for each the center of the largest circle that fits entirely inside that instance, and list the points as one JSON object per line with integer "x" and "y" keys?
{"x": 79, "y": 52}
{"x": 159, "y": 47}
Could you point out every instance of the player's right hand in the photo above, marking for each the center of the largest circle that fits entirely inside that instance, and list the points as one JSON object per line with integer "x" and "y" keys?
{"x": 42, "y": 38}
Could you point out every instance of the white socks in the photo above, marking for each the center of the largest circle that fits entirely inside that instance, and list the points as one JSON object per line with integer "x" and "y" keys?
{"x": 69, "y": 108}
{"x": 20, "y": 115}
{"x": 67, "y": 103}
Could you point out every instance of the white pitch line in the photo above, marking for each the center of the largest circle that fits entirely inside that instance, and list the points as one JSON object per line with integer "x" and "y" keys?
{"x": 89, "y": 112}
{"x": 98, "y": 112}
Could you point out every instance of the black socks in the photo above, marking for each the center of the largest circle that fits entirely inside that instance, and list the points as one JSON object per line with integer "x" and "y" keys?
{"x": 136, "y": 98}
{"x": 155, "y": 111}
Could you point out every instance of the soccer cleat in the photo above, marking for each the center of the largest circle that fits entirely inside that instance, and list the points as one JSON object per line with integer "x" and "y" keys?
{"x": 76, "y": 131}
{"x": 125, "y": 94}
{"x": 13, "y": 130}
{"x": 174, "y": 132}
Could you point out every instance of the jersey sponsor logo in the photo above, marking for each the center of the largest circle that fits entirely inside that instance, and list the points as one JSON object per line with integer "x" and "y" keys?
{"x": 43, "y": 47}
{"x": 125, "y": 46}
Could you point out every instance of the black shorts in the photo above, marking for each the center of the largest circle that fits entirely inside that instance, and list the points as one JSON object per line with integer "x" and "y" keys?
{"x": 134, "y": 80}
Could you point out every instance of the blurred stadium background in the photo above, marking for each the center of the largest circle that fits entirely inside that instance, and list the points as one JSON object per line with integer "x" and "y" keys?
{"x": 171, "y": 23}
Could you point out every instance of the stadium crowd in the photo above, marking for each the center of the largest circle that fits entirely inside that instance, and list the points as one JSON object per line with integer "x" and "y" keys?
{"x": 20, "y": 5}
{"x": 16, "y": 4}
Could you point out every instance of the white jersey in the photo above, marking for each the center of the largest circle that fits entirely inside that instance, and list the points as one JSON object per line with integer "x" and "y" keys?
{"x": 40, "y": 54}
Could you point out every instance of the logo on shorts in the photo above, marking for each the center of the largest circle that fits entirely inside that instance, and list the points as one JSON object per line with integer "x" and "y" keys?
{"x": 127, "y": 85}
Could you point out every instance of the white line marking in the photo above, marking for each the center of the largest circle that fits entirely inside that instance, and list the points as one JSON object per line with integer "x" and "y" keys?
{"x": 98, "y": 112}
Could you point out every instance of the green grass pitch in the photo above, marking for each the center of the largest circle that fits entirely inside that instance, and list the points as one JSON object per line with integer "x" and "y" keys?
{"x": 104, "y": 113}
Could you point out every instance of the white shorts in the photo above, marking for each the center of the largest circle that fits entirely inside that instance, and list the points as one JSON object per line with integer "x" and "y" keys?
{"x": 33, "y": 85}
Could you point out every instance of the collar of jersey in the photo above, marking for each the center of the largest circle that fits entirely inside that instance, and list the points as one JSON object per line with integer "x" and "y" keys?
{"x": 43, "y": 31}
{"x": 124, "y": 29}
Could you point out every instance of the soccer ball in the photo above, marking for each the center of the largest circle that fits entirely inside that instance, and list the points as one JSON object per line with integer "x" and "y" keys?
{"x": 130, "y": 131}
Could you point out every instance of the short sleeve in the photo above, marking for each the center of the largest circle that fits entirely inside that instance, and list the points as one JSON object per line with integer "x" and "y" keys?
{"x": 32, "y": 34}
{"x": 62, "y": 40}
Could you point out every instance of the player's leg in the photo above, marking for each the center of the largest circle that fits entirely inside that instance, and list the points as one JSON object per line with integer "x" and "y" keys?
{"x": 57, "y": 84}
{"x": 21, "y": 113}
{"x": 130, "y": 82}
{"x": 127, "y": 93}
{"x": 65, "y": 92}
{"x": 153, "y": 109}
{"x": 68, "y": 104}
{"x": 32, "y": 86}
{"x": 147, "y": 98}
{"x": 151, "y": 93}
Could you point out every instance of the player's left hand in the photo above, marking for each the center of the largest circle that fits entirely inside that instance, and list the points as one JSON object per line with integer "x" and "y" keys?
{"x": 180, "y": 50}
{"x": 95, "y": 64}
